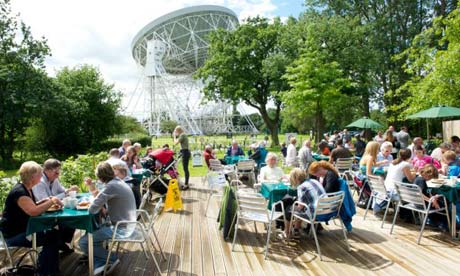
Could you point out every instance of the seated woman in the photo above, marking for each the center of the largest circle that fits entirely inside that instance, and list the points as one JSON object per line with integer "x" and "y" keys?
{"x": 384, "y": 157}
{"x": 369, "y": 159}
{"x": 271, "y": 173}
{"x": 399, "y": 170}
{"x": 421, "y": 159}
{"x": 20, "y": 205}
{"x": 428, "y": 172}
{"x": 131, "y": 158}
{"x": 327, "y": 174}
{"x": 308, "y": 192}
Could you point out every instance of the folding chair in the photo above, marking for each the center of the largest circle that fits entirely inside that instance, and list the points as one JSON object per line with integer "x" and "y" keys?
{"x": 344, "y": 167}
{"x": 326, "y": 208}
{"x": 245, "y": 168}
{"x": 411, "y": 198}
{"x": 216, "y": 181}
{"x": 131, "y": 232}
{"x": 4, "y": 247}
{"x": 253, "y": 207}
{"x": 148, "y": 221}
{"x": 378, "y": 191}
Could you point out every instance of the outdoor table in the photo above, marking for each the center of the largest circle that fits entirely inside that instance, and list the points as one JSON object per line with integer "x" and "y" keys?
{"x": 452, "y": 194}
{"x": 319, "y": 157}
{"x": 274, "y": 192}
{"x": 230, "y": 160}
{"x": 77, "y": 219}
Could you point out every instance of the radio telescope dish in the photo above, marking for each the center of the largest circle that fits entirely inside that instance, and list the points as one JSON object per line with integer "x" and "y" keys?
{"x": 168, "y": 51}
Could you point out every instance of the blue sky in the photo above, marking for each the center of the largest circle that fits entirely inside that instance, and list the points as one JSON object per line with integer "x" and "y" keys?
{"x": 287, "y": 8}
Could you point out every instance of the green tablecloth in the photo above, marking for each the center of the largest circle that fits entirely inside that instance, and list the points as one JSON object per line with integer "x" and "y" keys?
{"x": 230, "y": 160}
{"x": 276, "y": 192}
{"x": 452, "y": 194}
{"x": 77, "y": 219}
{"x": 318, "y": 157}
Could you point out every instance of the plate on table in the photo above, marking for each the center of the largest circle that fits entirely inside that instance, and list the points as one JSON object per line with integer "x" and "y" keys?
{"x": 54, "y": 208}
{"x": 435, "y": 183}
{"x": 84, "y": 205}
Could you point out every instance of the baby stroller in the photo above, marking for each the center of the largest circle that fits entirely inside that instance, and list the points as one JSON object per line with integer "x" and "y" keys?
{"x": 162, "y": 167}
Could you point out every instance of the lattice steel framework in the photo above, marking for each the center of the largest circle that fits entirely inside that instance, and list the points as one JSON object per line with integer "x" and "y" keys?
{"x": 168, "y": 51}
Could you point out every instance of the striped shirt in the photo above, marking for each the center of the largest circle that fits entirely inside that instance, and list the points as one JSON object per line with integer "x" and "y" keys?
{"x": 309, "y": 192}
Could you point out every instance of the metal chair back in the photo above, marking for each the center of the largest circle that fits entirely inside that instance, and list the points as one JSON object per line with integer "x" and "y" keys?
{"x": 343, "y": 164}
{"x": 330, "y": 204}
{"x": 377, "y": 186}
{"x": 411, "y": 195}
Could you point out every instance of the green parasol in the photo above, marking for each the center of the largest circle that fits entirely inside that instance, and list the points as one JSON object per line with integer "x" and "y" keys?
{"x": 365, "y": 123}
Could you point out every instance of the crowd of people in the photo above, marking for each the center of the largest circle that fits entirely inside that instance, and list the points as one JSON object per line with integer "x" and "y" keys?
{"x": 392, "y": 155}
{"x": 116, "y": 198}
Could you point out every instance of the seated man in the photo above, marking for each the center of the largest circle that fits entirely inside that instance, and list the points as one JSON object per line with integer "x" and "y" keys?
{"x": 208, "y": 154}
{"x": 339, "y": 152}
{"x": 48, "y": 186}
{"x": 234, "y": 149}
{"x": 120, "y": 206}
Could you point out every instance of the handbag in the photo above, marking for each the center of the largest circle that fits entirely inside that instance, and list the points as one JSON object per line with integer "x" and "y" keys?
{"x": 22, "y": 269}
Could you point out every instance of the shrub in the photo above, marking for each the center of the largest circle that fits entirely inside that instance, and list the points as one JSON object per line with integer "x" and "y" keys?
{"x": 75, "y": 170}
{"x": 6, "y": 184}
{"x": 115, "y": 142}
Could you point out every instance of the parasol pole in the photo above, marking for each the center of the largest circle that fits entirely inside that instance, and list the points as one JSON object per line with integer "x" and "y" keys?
{"x": 427, "y": 130}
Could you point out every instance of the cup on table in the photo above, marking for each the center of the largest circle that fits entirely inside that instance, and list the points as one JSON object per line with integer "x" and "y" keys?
{"x": 73, "y": 194}
{"x": 453, "y": 180}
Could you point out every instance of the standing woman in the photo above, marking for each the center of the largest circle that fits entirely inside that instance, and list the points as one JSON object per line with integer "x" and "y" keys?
{"x": 181, "y": 138}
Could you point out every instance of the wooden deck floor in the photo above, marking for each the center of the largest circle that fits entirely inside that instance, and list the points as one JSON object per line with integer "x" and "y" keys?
{"x": 194, "y": 246}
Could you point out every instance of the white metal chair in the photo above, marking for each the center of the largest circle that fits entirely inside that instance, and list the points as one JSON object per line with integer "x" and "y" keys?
{"x": 148, "y": 221}
{"x": 411, "y": 198}
{"x": 253, "y": 207}
{"x": 4, "y": 247}
{"x": 216, "y": 181}
{"x": 378, "y": 191}
{"x": 245, "y": 168}
{"x": 134, "y": 232}
{"x": 344, "y": 167}
{"x": 329, "y": 205}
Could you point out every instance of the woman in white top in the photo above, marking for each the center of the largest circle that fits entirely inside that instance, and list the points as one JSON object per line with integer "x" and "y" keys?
{"x": 291, "y": 156}
{"x": 271, "y": 173}
{"x": 399, "y": 169}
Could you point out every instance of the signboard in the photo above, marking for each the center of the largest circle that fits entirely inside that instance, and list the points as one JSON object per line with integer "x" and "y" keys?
{"x": 173, "y": 198}
{"x": 197, "y": 159}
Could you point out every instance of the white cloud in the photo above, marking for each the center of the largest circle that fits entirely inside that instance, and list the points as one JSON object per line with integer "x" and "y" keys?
{"x": 100, "y": 32}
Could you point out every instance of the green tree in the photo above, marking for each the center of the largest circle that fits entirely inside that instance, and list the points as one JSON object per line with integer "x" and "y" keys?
{"x": 392, "y": 26}
{"x": 128, "y": 124}
{"x": 316, "y": 85}
{"x": 434, "y": 67}
{"x": 167, "y": 126}
{"x": 82, "y": 112}
{"x": 247, "y": 64}
{"x": 24, "y": 86}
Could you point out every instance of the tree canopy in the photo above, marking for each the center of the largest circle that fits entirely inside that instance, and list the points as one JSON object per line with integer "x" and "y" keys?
{"x": 247, "y": 64}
